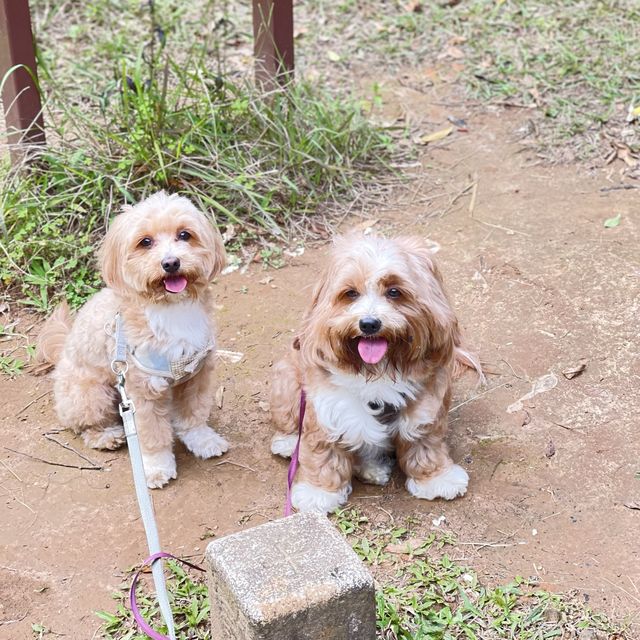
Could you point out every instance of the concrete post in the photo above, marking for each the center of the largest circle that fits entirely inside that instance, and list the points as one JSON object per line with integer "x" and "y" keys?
{"x": 292, "y": 579}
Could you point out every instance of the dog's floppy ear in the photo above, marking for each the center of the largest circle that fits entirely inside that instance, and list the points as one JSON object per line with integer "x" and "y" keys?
{"x": 113, "y": 251}
{"x": 209, "y": 237}
{"x": 428, "y": 281}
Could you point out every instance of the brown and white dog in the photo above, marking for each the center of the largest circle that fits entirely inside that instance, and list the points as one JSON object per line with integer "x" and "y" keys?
{"x": 158, "y": 260}
{"x": 376, "y": 355}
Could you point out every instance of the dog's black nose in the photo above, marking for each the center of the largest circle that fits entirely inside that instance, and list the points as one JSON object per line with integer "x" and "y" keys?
{"x": 370, "y": 325}
{"x": 170, "y": 265}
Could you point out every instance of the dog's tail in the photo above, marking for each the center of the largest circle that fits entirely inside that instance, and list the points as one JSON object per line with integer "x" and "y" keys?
{"x": 464, "y": 360}
{"x": 53, "y": 335}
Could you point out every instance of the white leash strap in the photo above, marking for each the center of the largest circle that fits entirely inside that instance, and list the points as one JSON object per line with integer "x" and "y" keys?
{"x": 127, "y": 411}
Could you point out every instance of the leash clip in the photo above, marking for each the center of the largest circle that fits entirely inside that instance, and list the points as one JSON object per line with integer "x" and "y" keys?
{"x": 126, "y": 403}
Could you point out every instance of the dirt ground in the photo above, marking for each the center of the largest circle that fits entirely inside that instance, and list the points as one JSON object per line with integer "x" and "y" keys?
{"x": 539, "y": 284}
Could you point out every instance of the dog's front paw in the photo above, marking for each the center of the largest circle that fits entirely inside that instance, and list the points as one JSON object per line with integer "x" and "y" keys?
{"x": 284, "y": 444}
{"x": 108, "y": 438}
{"x": 375, "y": 470}
{"x": 450, "y": 484}
{"x": 204, "y": 442}
{"x": 306, "y": 497}
{"x": 159, "y": 468}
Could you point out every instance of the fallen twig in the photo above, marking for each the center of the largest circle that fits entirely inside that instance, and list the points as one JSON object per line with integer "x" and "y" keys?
{"x": 482, "y": 545}
{"x": 474, "y": 193}
{"x": 235, "y": 464}
{"x": 564, "y": 426}
{"x": 26, "y": 406}
{"x": 456, "y": 198}
{"x": 499, "y": 226}
{"x": 13, "y": 495}
{"x": 50, "y": 462}
{"x": 621, "y": 187}
{"x": 70, "y": 448}
{"x": 484, "y": 393}
{"x": 3, "y": 622}
{"x": 10, "y": 470}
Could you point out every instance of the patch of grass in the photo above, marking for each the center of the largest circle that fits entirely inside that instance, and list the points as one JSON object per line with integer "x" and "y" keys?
{"x": 166, "y": 118}
{"x": 19, "y": 352}
{"x": 422, "y": 594}
{"x": 189, "y": 601}
{"x": 577, "y": 64}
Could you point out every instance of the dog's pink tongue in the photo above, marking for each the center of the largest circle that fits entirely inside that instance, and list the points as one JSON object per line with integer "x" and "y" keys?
{"x": 175, "y": 284}
{"x": 372, "y": 350}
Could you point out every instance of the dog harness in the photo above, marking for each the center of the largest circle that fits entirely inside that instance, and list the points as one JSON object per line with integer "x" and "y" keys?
{"x": 158, "y": 364}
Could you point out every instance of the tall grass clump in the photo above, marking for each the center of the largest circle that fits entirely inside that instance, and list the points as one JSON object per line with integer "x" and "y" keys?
{"x": 260, "y": 161}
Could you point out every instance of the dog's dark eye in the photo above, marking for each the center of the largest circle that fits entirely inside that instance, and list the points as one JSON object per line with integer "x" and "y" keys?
{"x": 184, "y": 235}
{"x": 393, "y": 293}
{"x": 352, "y": 293}
{"x": 145, "y": 242}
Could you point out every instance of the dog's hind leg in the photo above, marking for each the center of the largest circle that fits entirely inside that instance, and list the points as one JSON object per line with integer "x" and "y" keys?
{"x": 285, "y": 405}
{"x": 87, "y": 404}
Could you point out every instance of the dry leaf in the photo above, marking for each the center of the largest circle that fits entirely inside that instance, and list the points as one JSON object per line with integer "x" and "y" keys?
{"x": 229, "y": 233}
{"x": 632, "y": 505}
{"x": 414, "y": 6}
{"x": 219, "y": 396}
{"x": 266, "y": 280}
{"x": 622, "y": 151}
{"x": 366, "y": 226}
{"x": 572, "y": 372}
{"x": 454, "y": 52}
{"x": 540, "y": 385}
{"x": 435, "y": 136}
{"x": 410, "y": 546}
{"x": 550, "y": 449}
{"x": 230, "y": 356}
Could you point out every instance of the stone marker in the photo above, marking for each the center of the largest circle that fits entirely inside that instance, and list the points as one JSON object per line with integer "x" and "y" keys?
{"x": 292, "y": 579}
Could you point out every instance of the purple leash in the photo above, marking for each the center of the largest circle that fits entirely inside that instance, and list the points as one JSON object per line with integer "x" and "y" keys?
{"x": 293, "y": 465}
{"x": 142, "y": 623}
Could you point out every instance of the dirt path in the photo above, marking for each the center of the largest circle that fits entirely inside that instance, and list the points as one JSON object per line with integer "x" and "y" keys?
{"x": 539, "y": 285}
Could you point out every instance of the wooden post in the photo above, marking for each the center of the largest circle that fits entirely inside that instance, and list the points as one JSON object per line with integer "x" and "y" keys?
{"x": 273, "y": 41}
{"x": 20, "y": 94}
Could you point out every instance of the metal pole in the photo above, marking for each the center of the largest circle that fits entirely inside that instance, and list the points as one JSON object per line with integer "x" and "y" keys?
{"x": 273, "y": 41}
{"x": 18, "y": 74}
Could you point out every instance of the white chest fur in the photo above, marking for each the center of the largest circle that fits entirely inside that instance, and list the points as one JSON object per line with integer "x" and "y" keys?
{"x": 343, "y": 408}
{"x": 179, "y": 329}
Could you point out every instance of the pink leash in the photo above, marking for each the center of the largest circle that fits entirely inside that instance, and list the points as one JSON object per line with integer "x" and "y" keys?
{"x": 288, "y": 509}
{"x": 293, "y": 465}
{"x": 142, "y": 623}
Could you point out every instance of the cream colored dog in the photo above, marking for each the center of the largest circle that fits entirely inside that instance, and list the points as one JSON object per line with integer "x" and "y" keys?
{"x": 158, "y": 259}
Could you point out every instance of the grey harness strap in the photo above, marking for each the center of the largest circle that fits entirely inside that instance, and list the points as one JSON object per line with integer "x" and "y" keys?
{"x": 177, "y": 371}
{"x": 155, "y": 363}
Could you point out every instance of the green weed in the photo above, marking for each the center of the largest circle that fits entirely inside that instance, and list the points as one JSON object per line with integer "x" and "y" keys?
{"x": 19, "y": 353}
{"x": 189, "y": 601}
